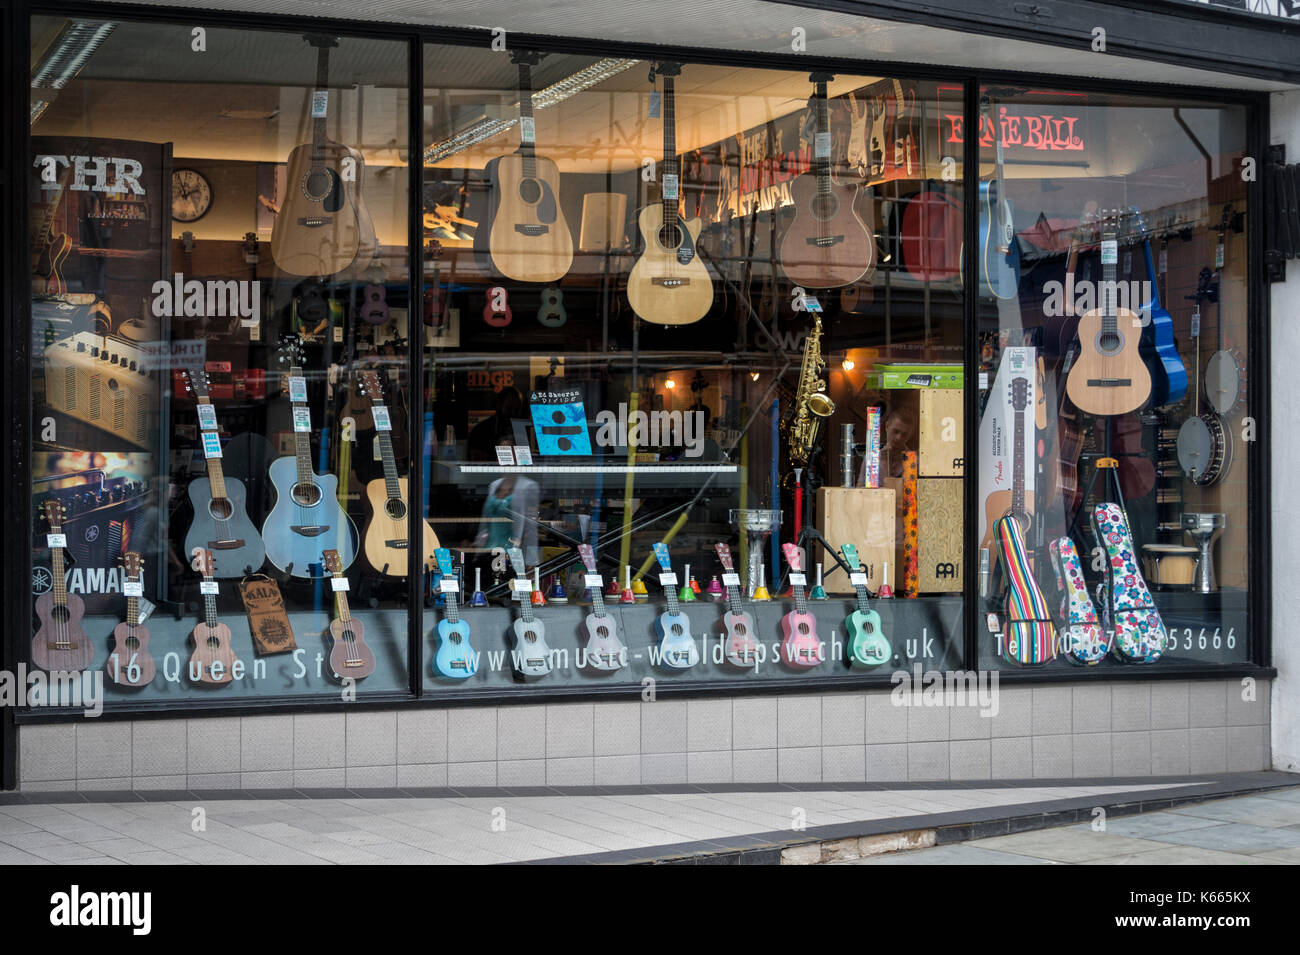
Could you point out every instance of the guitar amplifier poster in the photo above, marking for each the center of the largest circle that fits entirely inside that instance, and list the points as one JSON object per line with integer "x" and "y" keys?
{"x": 997, "y": 436}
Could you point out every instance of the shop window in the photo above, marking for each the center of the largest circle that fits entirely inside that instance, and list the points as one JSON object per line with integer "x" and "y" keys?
{"x": 1115, "y": 430}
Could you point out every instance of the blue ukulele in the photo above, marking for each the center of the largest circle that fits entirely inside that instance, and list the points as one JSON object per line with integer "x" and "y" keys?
{"x": 1168, "y": 373}
{"x": 307, "y": 518}
{"x": 677, "y": 650}
{"x": 455, "y": 659}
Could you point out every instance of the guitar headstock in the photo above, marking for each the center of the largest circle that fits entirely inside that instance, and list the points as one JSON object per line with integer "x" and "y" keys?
{"x": 661, "y": 555}
{"x": 588, "y": 555}
{"x": 517, "y": 562}
{"x": 1138, "y": 224}
{"x": 290, "y": 352}
{"x": 793, "y": 557}
{"x": 54, "y": 512}
{"x": 203, "y": 562}
{"x": 1019, "y": 393}
{"x": 850, "y": 553}
{"x": 446, "y": 567}
{"x": 370, "y": 384}
{"x": 724, "y": 556}
{"x": 132, "y": 564}
{"x": 332, "y": 562}
{"x": 196, "y": 381}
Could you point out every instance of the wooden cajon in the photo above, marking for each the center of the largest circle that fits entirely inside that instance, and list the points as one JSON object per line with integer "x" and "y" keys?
{"x": 863, "y": 517}
{"x": 939, "y": 528}
{"x": 942, "y": 436}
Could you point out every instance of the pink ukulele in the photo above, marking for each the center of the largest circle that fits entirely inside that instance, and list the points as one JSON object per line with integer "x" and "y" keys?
{"x": 799, "y": 646}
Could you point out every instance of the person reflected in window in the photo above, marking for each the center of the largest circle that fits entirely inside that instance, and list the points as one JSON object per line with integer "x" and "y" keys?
{"x": 507, "y": 405}
{"x": 509, "y": 517}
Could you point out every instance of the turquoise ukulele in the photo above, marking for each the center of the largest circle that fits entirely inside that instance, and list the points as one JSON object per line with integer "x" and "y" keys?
{"x": 456, "y": 659}
{"x": 867, "y": 644}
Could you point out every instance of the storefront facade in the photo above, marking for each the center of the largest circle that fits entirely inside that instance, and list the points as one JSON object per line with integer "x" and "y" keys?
{"x": 726, "y": 461}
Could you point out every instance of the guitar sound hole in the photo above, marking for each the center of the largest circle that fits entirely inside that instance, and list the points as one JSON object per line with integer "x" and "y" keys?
{"x": 803, "y": 629}
{"x": 317, "y": 184}
{"x": 213, "y": 643}
{"x": 530, "y": 191}
{"x": 348, "y": 636}
{"x": 454, "y": 638}
{"x": 670, "y": 236}
{"x": 677, "y": 630}
{"x": 740, "y": 630}
{"x": 395, "y": 508}
{"x": 306, "y": 495}
{"x": 824, "y": 207}
{"x": 133, "y": 643}
{"x": 530, "y": 636}
{"x": 220, "y": 509}
{"x": 60, "y": 615}
{"x": 1109, "y": 342}
{"x": 602, "y": 632}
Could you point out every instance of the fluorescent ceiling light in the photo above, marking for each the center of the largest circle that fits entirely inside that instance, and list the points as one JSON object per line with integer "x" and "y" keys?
{"x": 485, "y": 129}
{"x": 75, "y": 45}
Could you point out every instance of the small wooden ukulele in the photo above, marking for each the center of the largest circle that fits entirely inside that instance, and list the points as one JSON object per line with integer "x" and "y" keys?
{"x": 129, "y": 661}
{"x": 349, "y": 656}
{"x": 799, "y": 646}
{"x": 60, "y": 642}
{"x": 213, "y": 660}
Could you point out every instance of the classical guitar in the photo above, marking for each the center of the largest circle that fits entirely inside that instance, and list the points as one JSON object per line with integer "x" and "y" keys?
{"x": 737, "y": 623}
{"x": 677, "y": 649}
{"x": 213, "y": 660}
{"x": 1109, "y": 377}
{"x": 455, "y": 658}
{"x": 349, "y": 656}
{"x": 53, "y": 246}
{"x": 669, "y": 284}
{"x": 605, "y": 651}
{"x": 220, "y": 503}
{"x": 530, "y": 656}
{"x": 867, "y": 644}
{"x": 307, "y": 517}
{"x": 129, "y": 662}
{"x": 799, "y": 644}
{"x": 1017, "y": 502}
{"x": 386, "y": 543}
{"x": 60, "y": 642}
{"x": 999, "y": 251}
{"x": 1168, "y": 374}
{"x": 826, "y": 245}
{"x": 529, "y": 240}
{"x": 323, "y": 225}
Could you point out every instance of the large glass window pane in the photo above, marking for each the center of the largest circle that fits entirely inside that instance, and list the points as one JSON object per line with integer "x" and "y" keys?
{"x": 219, "y": 275}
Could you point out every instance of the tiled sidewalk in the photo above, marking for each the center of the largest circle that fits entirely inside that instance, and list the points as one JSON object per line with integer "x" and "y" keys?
{"x": 1263, "y": 829}
{"x": 722, "y": 823}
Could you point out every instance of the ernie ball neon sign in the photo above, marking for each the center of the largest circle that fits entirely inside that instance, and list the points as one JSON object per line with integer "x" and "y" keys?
{"x": 1046, "y": 132}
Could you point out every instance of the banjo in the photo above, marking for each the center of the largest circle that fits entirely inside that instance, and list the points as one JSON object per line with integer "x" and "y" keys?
{"x": 1225, "y": 379}
{"x": 1204, "y": 444}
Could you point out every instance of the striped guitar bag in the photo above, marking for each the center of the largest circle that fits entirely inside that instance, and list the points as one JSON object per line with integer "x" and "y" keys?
{"x": 1030, "y": 636}
{"x": 1139, "y": 631}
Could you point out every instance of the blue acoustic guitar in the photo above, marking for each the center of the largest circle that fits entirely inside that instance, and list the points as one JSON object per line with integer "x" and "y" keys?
{"x": 1168, "y": 373}
{"x": 677, "y": 650}
{"x": 455, "y": 658}
{"x": 999, "y": 266}
{"x": 867, "y": 644}
{"x": 307, "y": 518}
{"x": 221, "y": 521}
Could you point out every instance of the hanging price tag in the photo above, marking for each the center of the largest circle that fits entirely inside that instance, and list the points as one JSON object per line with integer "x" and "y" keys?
{"x": 339, "y": 583}
{"x": 338, "y": 334}
{"x": 1164, "y": 261}
{"x": 449, "y": 585}
{"x": 297, "y": 388}
{"x": 993, "y": 624}
{"x": 797, "y": 579}
{"x": 811, "y": 304}
{"x": 1109, "y": 252}
{"x": 593, "y": 581}
{"x": 1196, "y": 323}
{"x": 731, "y": 580}
{"x": 1218, "y": 255}
{"x": 56, "y": 540}
{"x": 302, "y": 420}
{"x": 132, "y": 588}
{"x": 668, "y": 579}
{"x": 320, "y": 102}
{"x": 380, "y": 414}
{"x": 1128, "y": 261}
{"x": 527, "y": 129}
{"x": 146, "y": 607}
{"x": 670, "y": 185}
{"x": 254, "y": 331}
{"x": 207, "y": 418}
{"x": 822, "y": 146}
{"x": 654, "y": 104}
{"x": 858, "y": 579}
{"x": 211, "y": 445}
{"x": 208, "y": 588}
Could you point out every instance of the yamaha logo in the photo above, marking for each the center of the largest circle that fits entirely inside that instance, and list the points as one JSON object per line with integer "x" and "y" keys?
{"x": 92, "y": 533}
{"x": 42, "y": 580}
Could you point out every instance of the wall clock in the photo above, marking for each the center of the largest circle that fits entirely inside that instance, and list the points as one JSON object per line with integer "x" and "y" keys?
{"x": 191, "y": 195}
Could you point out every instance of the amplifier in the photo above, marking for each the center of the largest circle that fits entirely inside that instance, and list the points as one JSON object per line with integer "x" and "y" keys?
{"x": 104, "y": 382}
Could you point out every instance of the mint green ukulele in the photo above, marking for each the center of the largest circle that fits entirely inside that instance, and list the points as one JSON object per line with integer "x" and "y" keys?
{"x": 867, "y": 644}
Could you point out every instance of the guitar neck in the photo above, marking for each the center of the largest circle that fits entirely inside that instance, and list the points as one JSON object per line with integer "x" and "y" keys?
{"x": 1109, "y": 320}
{"x": 1018, "y": 465}
{"x": 216, "y": 476}
{"x": 59, "y": 591}
{"x": 132, "y": 610}
{"x": 670, "y": 152}
{"x": 822, "y": 164}
{"x": 391, "y": 485}
{"x": 341, "y": 598}
{"x": 671, "y": 593}
{"x": 597, "y": 601}
{"x": 861, "y": 591}
{"x": 800, "y": 603}
{"x": 318, "y": 122}
{"x": 209, "y": 606}
{"x": 453, "y": 609}
{"x": 302, "y": 451}
{"x": 733, "y": 592}
{"x": 527, "y": 147}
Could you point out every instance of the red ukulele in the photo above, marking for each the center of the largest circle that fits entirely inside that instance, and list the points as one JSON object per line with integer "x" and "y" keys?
{"x": 799, "y": 645}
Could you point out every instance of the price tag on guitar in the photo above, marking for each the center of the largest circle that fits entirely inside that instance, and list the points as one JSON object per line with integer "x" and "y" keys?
{"x": 339, "y": 583}
{"x": 527, "y": 129}
{"x": 380, "y": 415}
{"x": 211, "y": 445}
{"x": 297, "y": 388}
{"x": 207, "y": 418}
{"x": 302, "y": 421}
{"x": 132, "y": 588}
{"x": 56, "y": 540}
{"x": 593, "y": 580}
{"x": 449, "y": 585}
{"x": 671, "y": 185}
{"x": 668, "y": 578}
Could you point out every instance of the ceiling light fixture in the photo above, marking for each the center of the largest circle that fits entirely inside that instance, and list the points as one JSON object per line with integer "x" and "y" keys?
{"x": 558, "y": 92}
{"x": 70, "y": 51}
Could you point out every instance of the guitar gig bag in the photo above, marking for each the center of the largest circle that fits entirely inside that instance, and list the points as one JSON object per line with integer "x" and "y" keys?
{"x": 1084, "y": 641}
{"x": 1030, "y": 635}
{"x": 1139, "y": 632}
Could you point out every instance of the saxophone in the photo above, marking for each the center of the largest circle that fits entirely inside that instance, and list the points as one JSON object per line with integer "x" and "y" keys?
{"x": 811, "y": 403}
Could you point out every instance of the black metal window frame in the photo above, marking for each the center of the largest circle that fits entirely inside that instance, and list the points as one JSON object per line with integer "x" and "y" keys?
{"x": 17, "y": 613}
